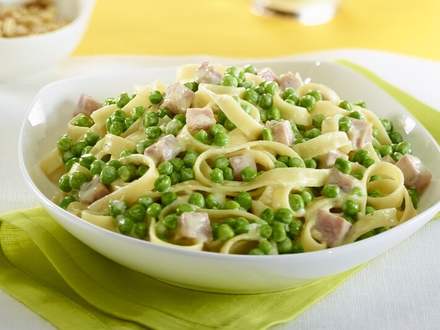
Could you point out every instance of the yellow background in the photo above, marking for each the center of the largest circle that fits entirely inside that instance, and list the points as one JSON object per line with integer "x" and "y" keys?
{"x": 228, "y": 28}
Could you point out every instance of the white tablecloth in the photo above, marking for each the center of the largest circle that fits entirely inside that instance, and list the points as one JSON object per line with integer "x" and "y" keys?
{"x": 399, "y": 290}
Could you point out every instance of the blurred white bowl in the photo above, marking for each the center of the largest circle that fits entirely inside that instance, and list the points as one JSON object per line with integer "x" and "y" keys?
{"x": 22, "y": 56}
{"x": 53, "y": 107}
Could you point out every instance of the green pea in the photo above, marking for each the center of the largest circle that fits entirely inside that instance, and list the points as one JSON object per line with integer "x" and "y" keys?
{"x": 295, "y": 227}
{"x": 228, "y": 174}
{"x": 267, "y": 215}
{"x": 343, "y": 165}
{"x": 355, "y": 114}
{"x": 361, "y": 104}
{"x": 190, "y": 158}
{"x": 202, "y": 136}
{"x": 141, "y": 170}
{"x": 146, "y": 201}
{"x": 233, "y": 71}
{"x": 241, "y": 226}
{"x": 344, "y": 124}
{"x": 248, "y": 174}
{"x": 284, "y": 246}
{"x": 182, "y": 208}
{"x": 87, "y": 160}
{"x": 140, "y": 230}
{"x": 317, "y": 120}
{"x": 108, "y": 174}
{"x": 137, "y": 212}
{"x": 307, "y": 196}
{"x": 127, "y": 172}
{"x": 192, "y": 85}
{"x": 65, "y": 202}
{"x": 125, "y": 153}
{"x": 278, "y": 231}
{"x": 162, "y": 183}
{"x": 154, "y": 210}
{"x": 285, "y": 159}
{"x": 114, "y": 163}
{"x": 212, "y": 202}
{"x": 217, "y": 175}
{"x": 151, "y": 119}
{"x": 266, "y": 101}
{"x": 117, "y": 207}
{"x": 82, "y": 120}
{"x": 231, "y": 205}
{"x": 374, "y": 193}
{"x": 221, "y": 162}
{"x": 387, "y": 124}
{"x": 155, "y": 97}
{"x": 414, "y": 197}
{"x": 229, "y": 125}
{"x": 68, "y": 155}
{"x": 396, "y": 156}
{"x": 138, "y": 112}
{"x": 86, "y": 150}
{"x": 350, "y": 208}
{"x": 220, "y": 139}
{"x": 77, "y": 179}
{"x": 78, "y": 147}
{"x": 64, "y": 183}
{"x": 117, "y": 128}
{"x": 357, "y": 191}
{"x": 170, "y": 221}
{"x": 153, "y": 132}
{"x": 186, "y": 174}
{"x": 266, "y": 134}
{"x": 316, "y": 95}
{"x": 360, "y": 155}
{"x": 395, "y": 137}
{"x": 165, "y": 168}
{"x": 173, "y": 127}
{"x": 168, "y": 197}
{"x": 123, "y": 100}
{"x": 128, "y": 122}
{"x": 91, "y": 138}
{"x": 330, "y": 191}
{"x": 110, "y": 101}
{"x": 162, "y": 112}
{"x": 385, "y": 150}
{"x": 224, "y": 232}
{"x": 197, "y": 199}
{"x": 180, "y": 117}
{"x": 279, "y": 164}
{"x": 345, "y": 105}
{"x": 70, "y": 163}
{"x": 297, "y": 247}
{"x": 229, "y": 80}
{"x": 256, "y": 252}
{"x": 369, "y": 209}
{"x": 265, "y": 246}
{"x": 265, "y": 230}
{"x": 307, "y": 101}
{"x": 251, "y": 96}
{"x": 358, "y": 174}
{"x": 296, "y": 202}
{"x": 177, "y": 164}
{"x": 143, "y": 144}
{"x": 273, "y": 114}
{"x": 310, "y": 163}
{"x": 64, "y": 143}
{"x": 284, "y": 215}
{"x": 125, "y": 224}
{"x": 295, "y": 162}
{"x": 244, "y": 199}
{"x": 312, "y": 133}
{"x": 118, "y": 115}
{"x": 403, "y": 147}
{"x": 270, "y": 87}
{"x": 289, "y": 93}
{"x": 250, "y": 69}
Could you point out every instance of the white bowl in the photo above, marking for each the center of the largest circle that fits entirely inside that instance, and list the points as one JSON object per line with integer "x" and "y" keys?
{"x": 52, "y": 108}
{"x": 26, "y": 55}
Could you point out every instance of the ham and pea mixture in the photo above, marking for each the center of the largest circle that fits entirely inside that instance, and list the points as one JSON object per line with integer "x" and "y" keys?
{"x": 236, "y": 160}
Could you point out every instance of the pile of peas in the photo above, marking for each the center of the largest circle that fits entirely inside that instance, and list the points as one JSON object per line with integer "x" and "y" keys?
{"x": 217, "y": 135}
{"x": 222, "y": 171}
{"x": 398, "y": 148}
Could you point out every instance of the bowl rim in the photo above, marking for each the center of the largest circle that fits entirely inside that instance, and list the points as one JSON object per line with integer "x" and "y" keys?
{"x": 328, "y": 252}
{"x": 85, "y": 9}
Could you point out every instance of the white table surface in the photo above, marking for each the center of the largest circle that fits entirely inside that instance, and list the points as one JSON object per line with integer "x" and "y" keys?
{"x": 399, "y": 290}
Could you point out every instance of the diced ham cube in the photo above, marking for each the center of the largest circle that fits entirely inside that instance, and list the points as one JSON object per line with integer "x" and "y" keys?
{"x": 86, "y": 105}
{"x": 206, "y": 74}
{"x": 194, "y": 226}
{"x": 360, "y": 133}
{"x": 238, "y": 163}
{"x": 199, "y": 118}
{"x": 267, "y": 74}
{"x": 281, "y": 131}
{"x": 331, "y": 228}
{"x": 92, "y": 191}
{"x": 165, "y": 149}
{"x": 344, "y": 181}
{"x": 415, "y": 173}
{"x": 178, "y": 98}
{"x": 328, "y": 160}
{"x": 290, "y": 80}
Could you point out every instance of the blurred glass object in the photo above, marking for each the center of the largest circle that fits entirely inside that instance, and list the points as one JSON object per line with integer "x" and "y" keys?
{"x": 308, "y": 12}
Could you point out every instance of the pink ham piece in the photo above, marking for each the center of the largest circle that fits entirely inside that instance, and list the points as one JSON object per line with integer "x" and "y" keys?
{"x": 360, "y": 133}
{"x": 331, "y": 228}
{"x": 194, "y": 226}
{"x": 415, "y": 173}
{"x": 86, "y": 105}
{"x": 290, "y": 80}
{"x": 344, "y": 181}
{"x": 199, "y": 118}
{"x": 92, "y": 191}
{"x": 238, "y": 163}
{"x": 281, "y": 131}
{"x": 165, "y": 149}
{"x": 267, "y": 74}
{"x": 206, "y": 74}
{"x": 178, "y": 98}
{"x": 328, "y": 160}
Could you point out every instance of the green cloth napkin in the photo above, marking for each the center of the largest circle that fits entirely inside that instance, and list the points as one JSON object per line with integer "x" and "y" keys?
{"x": 73, "y": 287}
